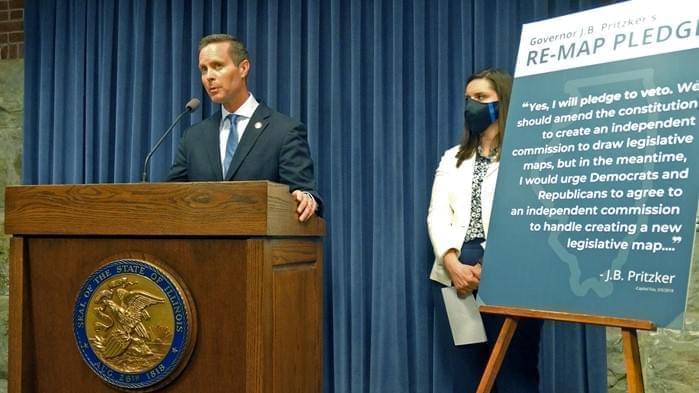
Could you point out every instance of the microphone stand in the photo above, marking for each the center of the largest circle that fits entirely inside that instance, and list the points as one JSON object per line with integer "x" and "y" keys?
{"x": 144, "y": 176}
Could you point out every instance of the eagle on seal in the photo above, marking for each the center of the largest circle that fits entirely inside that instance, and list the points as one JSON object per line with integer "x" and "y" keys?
{"x": 128, "y": 331}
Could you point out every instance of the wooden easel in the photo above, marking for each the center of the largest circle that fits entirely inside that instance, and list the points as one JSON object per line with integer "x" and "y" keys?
{"x": 512, "y": 315}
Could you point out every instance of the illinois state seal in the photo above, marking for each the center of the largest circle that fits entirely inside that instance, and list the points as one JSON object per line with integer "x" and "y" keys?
{"x": 134, "y": 324}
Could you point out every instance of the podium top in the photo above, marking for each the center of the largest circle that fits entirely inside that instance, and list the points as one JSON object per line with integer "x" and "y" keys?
{"x": 250, "y": 208}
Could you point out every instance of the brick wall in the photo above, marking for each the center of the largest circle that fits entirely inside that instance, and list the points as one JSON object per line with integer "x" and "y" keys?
{"x": 11, "y": 29}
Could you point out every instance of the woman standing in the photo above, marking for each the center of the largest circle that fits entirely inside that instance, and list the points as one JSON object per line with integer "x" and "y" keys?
{"x": 458, "y": 217}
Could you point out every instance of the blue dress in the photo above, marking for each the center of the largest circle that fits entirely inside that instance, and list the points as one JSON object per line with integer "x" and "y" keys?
{"x": 459, "y": 369}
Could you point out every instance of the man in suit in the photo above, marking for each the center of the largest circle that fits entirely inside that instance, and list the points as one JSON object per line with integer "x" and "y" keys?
{"x": 245, "y": 140}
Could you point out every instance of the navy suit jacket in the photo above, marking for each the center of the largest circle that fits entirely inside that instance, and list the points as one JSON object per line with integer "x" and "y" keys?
{"x": 274, "y": 147}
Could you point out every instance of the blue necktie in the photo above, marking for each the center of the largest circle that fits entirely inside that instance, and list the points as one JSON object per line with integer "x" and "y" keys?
{"x": 231, "y": 143}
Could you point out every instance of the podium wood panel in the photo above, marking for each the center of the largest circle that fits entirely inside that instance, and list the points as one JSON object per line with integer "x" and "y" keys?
{"x": 255, "y": 208}
{"x": 21, "y": 342}
{"x": 297, "y": 285}
{"x": 257, "y": 285}
{"x": 245, "y": 322}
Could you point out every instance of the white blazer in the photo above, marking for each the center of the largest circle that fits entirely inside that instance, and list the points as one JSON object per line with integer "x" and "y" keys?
{"x": 449, "y": 214}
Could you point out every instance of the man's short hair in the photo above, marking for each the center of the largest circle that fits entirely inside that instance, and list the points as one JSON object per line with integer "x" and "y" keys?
{"x": 236, "y": 49}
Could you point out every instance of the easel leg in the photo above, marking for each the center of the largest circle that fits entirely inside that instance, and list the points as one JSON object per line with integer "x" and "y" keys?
{"x": 498, "y": 355}
{"x": 632, "y": 357}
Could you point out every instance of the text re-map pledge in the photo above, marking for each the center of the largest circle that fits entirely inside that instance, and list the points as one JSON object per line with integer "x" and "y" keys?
{"x": 596, "y": 197}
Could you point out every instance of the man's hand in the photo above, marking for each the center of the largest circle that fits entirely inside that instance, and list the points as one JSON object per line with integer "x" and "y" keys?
{"x": 465, "y": 277}
{"x": 306, "y": 205}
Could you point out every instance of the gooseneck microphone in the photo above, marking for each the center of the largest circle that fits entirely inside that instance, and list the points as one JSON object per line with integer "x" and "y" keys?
{"x": 191, "y": 106}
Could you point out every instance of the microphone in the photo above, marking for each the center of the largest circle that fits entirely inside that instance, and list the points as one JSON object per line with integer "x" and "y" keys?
{"x": 191, "y": 106}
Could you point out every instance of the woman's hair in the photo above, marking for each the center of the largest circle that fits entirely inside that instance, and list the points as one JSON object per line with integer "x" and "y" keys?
{"x": 501, "y": 82}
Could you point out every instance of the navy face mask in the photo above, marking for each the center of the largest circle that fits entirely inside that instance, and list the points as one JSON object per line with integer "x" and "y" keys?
{"x": 479, "y": 116}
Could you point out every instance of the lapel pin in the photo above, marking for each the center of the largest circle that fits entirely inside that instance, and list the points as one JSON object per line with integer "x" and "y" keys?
{"x": 258, "y": 125}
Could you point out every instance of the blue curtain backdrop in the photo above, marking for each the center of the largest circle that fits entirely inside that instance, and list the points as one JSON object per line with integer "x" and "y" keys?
{"x": 379, "y": 84}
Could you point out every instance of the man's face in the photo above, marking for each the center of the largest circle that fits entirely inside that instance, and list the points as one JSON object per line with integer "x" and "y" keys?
{"x": 223, "y": 79}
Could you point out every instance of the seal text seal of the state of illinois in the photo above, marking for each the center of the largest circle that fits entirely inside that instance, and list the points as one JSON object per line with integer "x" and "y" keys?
{"x": 134, "y": 324}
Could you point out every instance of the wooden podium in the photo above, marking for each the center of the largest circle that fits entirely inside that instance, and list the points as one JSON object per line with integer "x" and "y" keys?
{"x": 254, "y": 273}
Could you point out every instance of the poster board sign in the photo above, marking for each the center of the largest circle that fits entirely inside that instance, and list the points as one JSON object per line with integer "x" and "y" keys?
{"x": 596, "y": 198}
